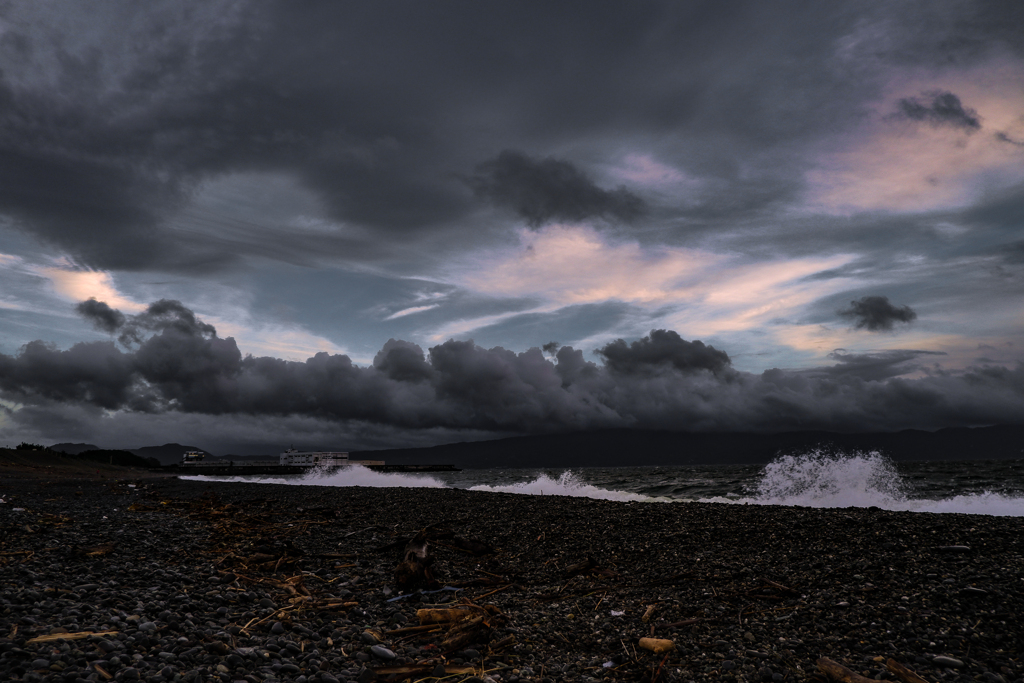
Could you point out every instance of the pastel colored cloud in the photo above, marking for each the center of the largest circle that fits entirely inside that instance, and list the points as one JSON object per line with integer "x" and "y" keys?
{"x": 409, "y": 311}
{"x": 75, "y": 284}
{"x": 896, "y": 162}
{"x": 570, "y": 264}
{"x": 692, "y": 290}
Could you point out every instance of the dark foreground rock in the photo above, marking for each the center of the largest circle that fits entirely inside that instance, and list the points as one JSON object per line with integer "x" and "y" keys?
{"x": 182, "y": 581}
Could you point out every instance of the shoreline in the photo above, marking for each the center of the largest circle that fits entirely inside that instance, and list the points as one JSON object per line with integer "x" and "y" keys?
{"x": 743, "y": 593}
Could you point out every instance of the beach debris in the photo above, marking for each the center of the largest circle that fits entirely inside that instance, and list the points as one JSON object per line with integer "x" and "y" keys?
{"x": 414, "y": 570}
{"x": 589, "y": 566}
{"x": 657, "y": 645}
{"x": 406, "y": 596}
{"x": 94, "y": 550}
{"x": 953, "y": 548}
{"x": 8, "y": 556}
{"x": 440, "y": 616}
{"x": 903, "y": 673}
{"x": 648, "y": 613}
{"x": 431, "y": 670}
{"x": 838, "y": 672}
{"x": 69, "y": 636}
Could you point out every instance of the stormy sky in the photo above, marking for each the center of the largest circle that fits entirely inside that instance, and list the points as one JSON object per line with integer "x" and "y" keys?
{"x": 245, "y": 225}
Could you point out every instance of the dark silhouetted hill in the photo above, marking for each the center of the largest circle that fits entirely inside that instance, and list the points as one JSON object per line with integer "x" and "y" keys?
{"x": 73, "y": 448}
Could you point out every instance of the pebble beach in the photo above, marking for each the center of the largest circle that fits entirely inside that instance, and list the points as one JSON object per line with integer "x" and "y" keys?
{"x": 159, "y": 579}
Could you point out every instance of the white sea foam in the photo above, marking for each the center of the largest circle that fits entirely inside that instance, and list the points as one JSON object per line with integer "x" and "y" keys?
{"x": 822, "y": 480}
{"x": 567, "y": 484}
{"x": 988, "y": 503}
{"x": 812, "y": 479}
{"x": 352, "y": 475}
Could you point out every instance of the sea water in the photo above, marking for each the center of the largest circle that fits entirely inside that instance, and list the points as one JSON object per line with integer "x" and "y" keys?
{"x": 811, "y": 479}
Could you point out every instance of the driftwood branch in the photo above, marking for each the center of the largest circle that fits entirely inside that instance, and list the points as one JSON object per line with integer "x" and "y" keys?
{"x": 838, "y": 672}
{"x": 903, "y": 673}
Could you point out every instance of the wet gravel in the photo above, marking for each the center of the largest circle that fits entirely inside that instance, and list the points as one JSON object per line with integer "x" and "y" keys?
{"x": 190, "y": 581}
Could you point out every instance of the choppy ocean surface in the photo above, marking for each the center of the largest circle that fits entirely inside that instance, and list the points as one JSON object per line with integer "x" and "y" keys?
{"x": 813, "y": 479}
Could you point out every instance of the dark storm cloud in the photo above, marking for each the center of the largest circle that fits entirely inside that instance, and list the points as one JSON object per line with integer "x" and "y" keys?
{"x": 107, "y": 132}
{"x": 102, "y": 316}
{"x": 662, "y": 348}
{"x": 876, "y": 314}
{"x": 873, "y": 366}
{"x": 660, "y": 381}
{"x": 939, "y": 109}
{"x": 1003, "y": 137}
{"x": 95, "y": 373}
{"x": 543, "y": 190}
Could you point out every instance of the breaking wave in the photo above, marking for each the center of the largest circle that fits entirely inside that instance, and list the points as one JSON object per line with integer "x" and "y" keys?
{"x": 352, "y": 475}
{"x": 568, "y": 483}
{"x": 822, "y": 480}
{"x": 814, "y": 479}
{"x": 827, "y": 480}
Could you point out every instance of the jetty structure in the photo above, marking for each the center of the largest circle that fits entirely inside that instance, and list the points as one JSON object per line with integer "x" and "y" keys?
{"x": 290, "y": 462}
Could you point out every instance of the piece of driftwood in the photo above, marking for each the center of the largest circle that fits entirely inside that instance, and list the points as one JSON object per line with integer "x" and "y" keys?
{"x": 424, "y": 628}
{"x": 657, "y": 645}
{"x": 838, "y": 672}
{"x": 903, "y": 673}
{"x": 421, "y": 670}
{"x": 443, "y": 615}
{"x": 94, "y": 550}
{"x": 779, "y": 586}
{"x": 463, "y": 633}
{"x": 69, "y": 636}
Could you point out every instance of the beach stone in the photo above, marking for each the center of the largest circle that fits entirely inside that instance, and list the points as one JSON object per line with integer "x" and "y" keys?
{"x": 277, "y": 628}
{"x": 382, "y": 652}
{"x": 948, "y": 661}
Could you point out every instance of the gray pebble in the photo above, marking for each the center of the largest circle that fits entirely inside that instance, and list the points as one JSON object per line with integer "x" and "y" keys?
{"x": 382, "y": 652}
{"x": 947, "y": 661}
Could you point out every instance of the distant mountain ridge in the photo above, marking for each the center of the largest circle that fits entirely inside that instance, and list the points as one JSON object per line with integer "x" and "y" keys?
{"x": 73, "y": 448}
{"x": 166, "y": 454}
{"x": 621, "y": 447}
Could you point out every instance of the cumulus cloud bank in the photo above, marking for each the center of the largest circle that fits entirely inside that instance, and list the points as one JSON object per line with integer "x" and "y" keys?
{"x": 168, "y": 361}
